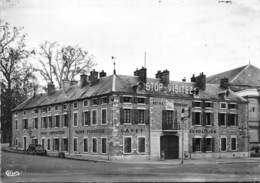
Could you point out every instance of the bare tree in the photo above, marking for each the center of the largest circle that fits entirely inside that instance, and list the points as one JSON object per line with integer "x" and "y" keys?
{"x": 59, "y": 64}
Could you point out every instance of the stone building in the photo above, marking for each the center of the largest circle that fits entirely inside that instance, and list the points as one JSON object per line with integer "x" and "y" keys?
{"x": 245, "y": 81}
{"x": 135, "y": 117}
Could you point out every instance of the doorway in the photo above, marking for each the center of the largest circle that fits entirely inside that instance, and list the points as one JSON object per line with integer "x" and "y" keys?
{"x": 170, "y": 146}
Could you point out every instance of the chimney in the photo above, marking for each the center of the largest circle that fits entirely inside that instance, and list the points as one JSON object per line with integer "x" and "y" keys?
{"x": 164, "y": 77}
{"x": 201, "y": 81}
{"x": 83, "y": 80}
{"x": 102, "y": 74}
{"x": 224, "y": 83}
{"x": 184, "y": 79}
{"x": 141, "y": 73}
{"x": 193, "y": 78}
{"x": 50, "y": 88}
{"x": 93, "y": 78}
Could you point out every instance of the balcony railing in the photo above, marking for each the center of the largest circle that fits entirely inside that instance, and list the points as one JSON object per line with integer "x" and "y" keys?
{"x": 170, "y": 126}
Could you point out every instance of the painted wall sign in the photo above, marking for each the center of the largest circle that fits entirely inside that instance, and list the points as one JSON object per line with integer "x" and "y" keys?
{"x": 203, "y": 131}
{"x": 57, "y": 132}
{"x": 171, "y": 88}
{"x": 96, "y": 131}
{"x": 43, "y": 133}
{"x": 127, "y": 130}
{"x": 79, "y": 131}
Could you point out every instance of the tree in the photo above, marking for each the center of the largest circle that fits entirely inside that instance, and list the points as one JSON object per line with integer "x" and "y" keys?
{"x": 59, "y": 64}
{"x": 15, "y": 72}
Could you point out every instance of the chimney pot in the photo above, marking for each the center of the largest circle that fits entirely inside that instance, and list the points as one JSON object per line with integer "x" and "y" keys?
{"x": 142, "y": 74}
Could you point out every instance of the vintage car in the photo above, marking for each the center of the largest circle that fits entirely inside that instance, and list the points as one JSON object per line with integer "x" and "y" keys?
{"x": 36, "y": 149}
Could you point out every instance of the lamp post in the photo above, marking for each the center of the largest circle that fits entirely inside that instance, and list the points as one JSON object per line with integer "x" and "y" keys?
{"x": 182, "y": 134}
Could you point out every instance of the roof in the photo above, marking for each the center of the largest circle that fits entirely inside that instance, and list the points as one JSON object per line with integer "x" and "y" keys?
{"x": 109, "y": 84}
{"x": 247, "y": 75}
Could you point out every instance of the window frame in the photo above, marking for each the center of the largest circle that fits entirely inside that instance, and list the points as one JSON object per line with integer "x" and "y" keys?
{"x": 138, "y": 140}
{"x": 96, "y": 119}
{"x": 211, "y": 122}
{"x": 223, "y": 137}
{"x": 93, "y": 145}
{"x": 75, "y": 112}
{"x": 124, "y": 120}
{"x": 105, "y": 145}
{"x": 233, "y": 137}
{"x": 77, "y": 105}
{"x": 223, "y": 103}
{"x": 77, "y": 147}
{"x": 103, "y": 109}
{"x": 200, "y": 145}
{"x": 139, "y": 102}
{"x": 200, "y": 121}
{"x": 48, "y": 144}
{"x": 63, "y": 116}
{"x": 225, "y": 118}
{"x": 43, "y": 140}
{"x": 209, "y": 137}
{"x": 53, "y": 141}
{"x": 85, "y": 138}
{"x": 87, "y": 101}
{"x": 124, "y": 137}
{"x": 62, "y": 141}
{"x": 84, "y": 113}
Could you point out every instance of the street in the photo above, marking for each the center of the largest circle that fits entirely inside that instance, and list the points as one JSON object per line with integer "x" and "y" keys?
{"x": 50, "y": 169}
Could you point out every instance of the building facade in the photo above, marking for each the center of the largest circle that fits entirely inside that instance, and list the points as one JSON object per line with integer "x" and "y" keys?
{"x": 135, "y": 117}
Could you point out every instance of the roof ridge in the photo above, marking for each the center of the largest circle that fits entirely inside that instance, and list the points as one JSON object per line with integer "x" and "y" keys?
{"x": 240, "y": 73}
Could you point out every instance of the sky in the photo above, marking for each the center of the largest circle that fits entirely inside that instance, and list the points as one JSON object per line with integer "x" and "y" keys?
{"x": 184, "y": 36}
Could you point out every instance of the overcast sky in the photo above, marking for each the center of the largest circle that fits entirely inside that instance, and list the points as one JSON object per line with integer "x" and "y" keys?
{"x": 183, "y": 36}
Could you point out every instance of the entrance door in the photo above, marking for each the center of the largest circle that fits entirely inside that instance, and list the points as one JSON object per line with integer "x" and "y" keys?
{"x": 170, "y": 146}
{"x": 24, "y": 143}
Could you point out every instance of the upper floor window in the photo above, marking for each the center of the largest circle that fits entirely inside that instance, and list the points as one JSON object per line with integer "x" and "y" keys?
{"x": 65, "y": 120}
{"x": 75, "y": 119}
{"x": 75, "y": 105}
{"x": 44, "y": 109}
{"x": 140, "y": 100}
{"x": 57, "y": 121}
{"x": 56, "y": 107}
{"x": 223, "y": 105}
{"x": 208, "y": 104}
{"x": 196, "y": 104}
{"x": 49, "y": 108}
{"x": 127, "y": 99}
{"x": 16, "y": 124}
{"x": 24, "y": 112}
{"x": 141, "y": 116}
{"x": 104, "y": 100}
{"x": 126, "y": 116}
{"x": 104, "y": 116}
{"x": 36, "y": 123}
{"x": 85, "y": 103}
{"x": 86, "y": 117}
{"x": 95, "y": 101}
{"x": 232, "y": 106}
{"x": 35, "y": 111}
{"x": 94, "y": 117}
{"x": 196, "y": 118}
{"x": 222, "y": 119}
{"x": 209, "y": 118}
{"x": 65, "y": 106}
{"x": 232, "y": 119}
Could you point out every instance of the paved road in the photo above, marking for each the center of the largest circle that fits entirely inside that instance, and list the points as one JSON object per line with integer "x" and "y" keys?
{"x": 50, "y": 169}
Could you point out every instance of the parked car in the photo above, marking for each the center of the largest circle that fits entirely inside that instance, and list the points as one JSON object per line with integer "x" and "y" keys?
{"x": 36, "y": 149}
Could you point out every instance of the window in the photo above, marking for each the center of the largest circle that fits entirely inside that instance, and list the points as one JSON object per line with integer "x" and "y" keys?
{"x": 196, "y": 144}
{"x": 50, "y": 121}
{"x": 209, "y": 118}
{"x": 95, "y": 101}
{"x": 56, "y": 144}
{"x": 64, "y": 144}
{"x": 104, "y": 116}
{"x": 104, "y": 145}
{"x": 196, "y": 104}
{"x": 44, "y": 122}
{"x": 208, "y": 104}
{"x": 75, "y": 119}
{"x": 75, "y": 144}
{"x": 233, "y": 143}
{"x": 24, "y": 112}
{"x": 24, "y": 143}
{"x": 16, "y": 124}
{"x": 223, "y": 144}
{"x": 209, "y": 144}
{"x": 141, "y": 116}
{"x": 196, "y": 118}
{"x": 104, "y": 100}
{"x": 85, "y": 103}
{"x": 127, "y": 99}
{"x": 34, "y": 141}
{"x": 57, "y": 121}
{"x": 65, "y": 106}
{"x": 85, "y": 145}
{"x": 127, "y": 144}
{"x": 232, "y": 106}
{"x": 25, "y": 123}
{"x": 16, "y": 142}
{"x": 75, "y": 105}
{"x": 222, "y": 119}
{"x": 48, "y": 144}
{"x": 141, "y": 144}
{"x": 126, "y": 115}
{"x": 56, "y": 107}
{"x": 94, "y": 145}
{"x": 87, "y": 118}
{"x": 35, "y": 111}
{"x": 140, "y": 100}
{"x": 43, "y": 143}
{"x": 94, "y": 117}
{"x": 232, "y": 119}
{"x": 44, "y": 109}
{"x": 223, "y": 105}
{"x": 49, "y": 108}
{"x": 35, "y": 123}
{"x": 65, "y": 120}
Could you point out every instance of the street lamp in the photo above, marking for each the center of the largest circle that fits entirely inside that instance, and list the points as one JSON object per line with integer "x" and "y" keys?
{"x": 182, "y": 133}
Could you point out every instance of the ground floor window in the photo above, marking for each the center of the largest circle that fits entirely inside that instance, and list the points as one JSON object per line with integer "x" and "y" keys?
{"x": 196, "y": 144}
{"x": 34, "y": 141}
{"x": 43, "y": 143}
{"x": 56, "y": 144}
{"x": 75, "y": 144}
{"x": 104, "y": 145}
{"x": 64, "y": 144}
{"x": 48, "y": 144}
{"x": 16, "y": 142}
{"x": 233, "y": 143}
{"x": 223, "y": 144}
{"x": 24, "y": 143}
{"x": 85, "y": 145}
{"x": 94, "y": 145}
{"x": 127, "y": 144}
{"x": 209, "y": 144}
{"x": 141, "y": 144}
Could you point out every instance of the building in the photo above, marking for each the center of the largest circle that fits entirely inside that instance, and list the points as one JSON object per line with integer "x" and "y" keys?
{"x": 245, "y": 81}
{"x": 135, "y": 117}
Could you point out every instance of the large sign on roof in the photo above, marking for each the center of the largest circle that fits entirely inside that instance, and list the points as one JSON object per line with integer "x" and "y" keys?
{"x": 172, "y": 88}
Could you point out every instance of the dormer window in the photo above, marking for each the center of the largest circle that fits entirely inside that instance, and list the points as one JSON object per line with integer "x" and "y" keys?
{"x": 85, "y": 103}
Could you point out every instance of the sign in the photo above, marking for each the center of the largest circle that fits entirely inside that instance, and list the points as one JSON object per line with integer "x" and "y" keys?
{"x": 56, "y": 132}
{"x": 171, "y": 88}
{"x": 203, "y": 131}
{"x": 79, "y": 131}
{"x": 96, "y": 131}
{"x": 169, "y": 105}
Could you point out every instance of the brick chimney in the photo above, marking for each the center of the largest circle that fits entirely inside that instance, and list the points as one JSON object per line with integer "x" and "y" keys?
{"x": 141, "y": 73}
{"x": 93, "y": 78}
{"x": 102, "y": 74}
{"x": 193, "y": 78}
{"x": 164, "y": 77}
{"x": 201, "y": 81}
{"x": 50, "y": 88}
{"x": 224, "y": 83}
{"x": 83, "y": 80}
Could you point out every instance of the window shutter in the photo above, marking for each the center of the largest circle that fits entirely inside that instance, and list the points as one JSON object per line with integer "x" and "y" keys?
{"x": 62, "y": 144}
{"x": 164, "y": 115}
{"x": 228, "y": 119}
{"x": 121, "y": 116}
{"x": 236, "y": 119}
{"x": 213, "y": 144}
{"x": 212, "y": 118}
{"x": 82, "y": 118}
{"x": 219, "y": 119}
{"x": 132, "y": 119}
{"x": 53, "y": 121}
{"x": 193, "y": 118}
{"x": 175, "y": 119}
{"x": 203, "y": 144}
{"x": 147, "y": 116}
{"x": 193, "y": 145}
{"x": 135, "y": 116}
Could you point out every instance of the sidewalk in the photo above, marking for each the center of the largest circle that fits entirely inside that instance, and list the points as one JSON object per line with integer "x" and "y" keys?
{"x": 163, "y": 162}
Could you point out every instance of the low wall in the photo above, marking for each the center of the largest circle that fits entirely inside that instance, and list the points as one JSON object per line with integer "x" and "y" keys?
{"x": 220, "y": 155}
